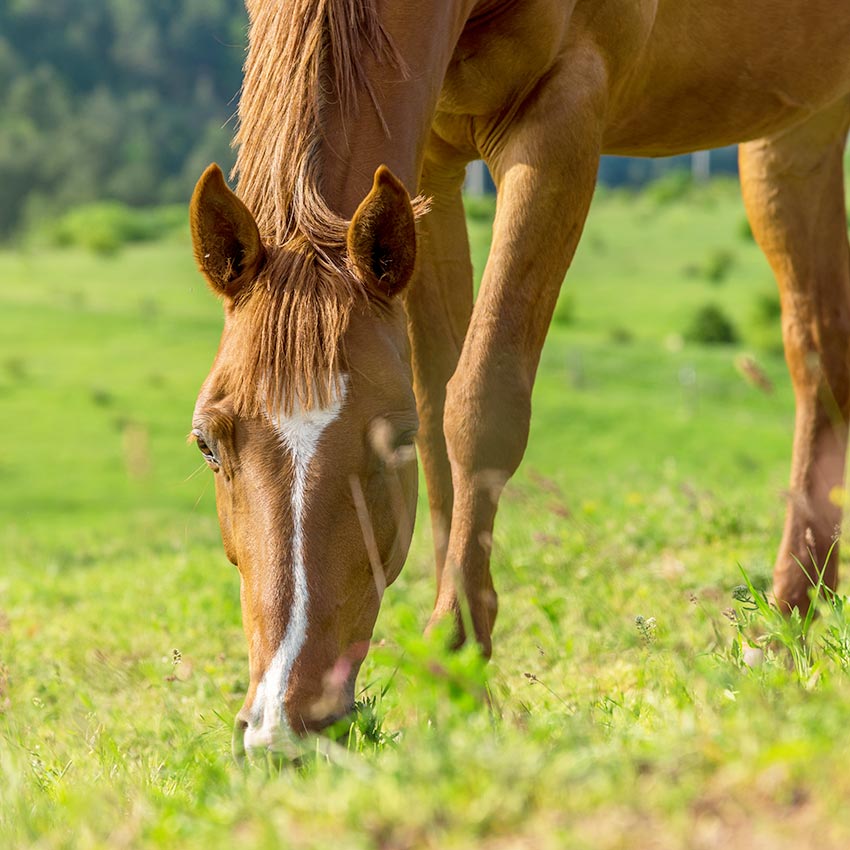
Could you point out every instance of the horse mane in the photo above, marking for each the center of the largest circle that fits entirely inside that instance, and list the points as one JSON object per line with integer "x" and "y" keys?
{"x": 303, "y": 57}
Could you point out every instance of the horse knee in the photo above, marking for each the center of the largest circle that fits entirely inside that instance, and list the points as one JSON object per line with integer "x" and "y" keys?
{"x": 486, "y": 425}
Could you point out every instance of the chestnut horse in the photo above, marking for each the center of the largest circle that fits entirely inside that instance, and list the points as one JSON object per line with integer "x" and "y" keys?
{"x": 309, "y": 414}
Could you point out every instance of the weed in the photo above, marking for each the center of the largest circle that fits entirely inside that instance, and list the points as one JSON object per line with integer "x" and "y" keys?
{"x": 367, "y": 730}
{"x": 794, "y": 632}
{"x": 646, "y": 629}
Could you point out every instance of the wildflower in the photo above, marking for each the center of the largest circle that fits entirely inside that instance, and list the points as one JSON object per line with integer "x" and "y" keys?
{"x": 646, "y": 628}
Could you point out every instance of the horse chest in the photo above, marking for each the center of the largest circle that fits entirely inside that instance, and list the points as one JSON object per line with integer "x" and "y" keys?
{"x": 501, "y": 55}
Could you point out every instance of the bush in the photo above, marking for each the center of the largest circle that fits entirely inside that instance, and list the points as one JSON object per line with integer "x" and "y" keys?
{"x": 718, "y": 265}
{"x": 745, "y": 232}
{"x": 766, "y": 325}
{"x": 768, "y": 309}
{"x": 673, "y": 186}
{"x": 711, "y": 326}
{"x": 105, "y": 227}
{"x": 620, "y": 335}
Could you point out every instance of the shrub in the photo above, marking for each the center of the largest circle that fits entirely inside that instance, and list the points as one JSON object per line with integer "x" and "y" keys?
{"x": 768, "y": 308}
{"x": 718, "y": 265}
{"x": 620, "y": 335}
{"x": 745, "y": 232}
{"x": 105, "y": 227}
{"x": 766, "y": 324}
{"x": 673, "y": 186}
{"x": 711, "y": 326}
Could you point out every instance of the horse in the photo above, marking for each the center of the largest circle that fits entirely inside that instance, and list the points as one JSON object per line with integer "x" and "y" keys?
{"x": 350, "y": 330}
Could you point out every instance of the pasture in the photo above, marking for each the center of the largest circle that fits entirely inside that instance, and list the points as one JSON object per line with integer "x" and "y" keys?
{"x": 619, "y": 710}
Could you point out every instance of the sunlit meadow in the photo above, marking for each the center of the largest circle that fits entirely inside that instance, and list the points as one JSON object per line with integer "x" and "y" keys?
{"x": 642, "y": 693}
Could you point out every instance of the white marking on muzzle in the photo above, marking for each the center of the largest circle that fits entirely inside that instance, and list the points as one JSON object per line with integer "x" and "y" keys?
{"x": 300, "y": 433}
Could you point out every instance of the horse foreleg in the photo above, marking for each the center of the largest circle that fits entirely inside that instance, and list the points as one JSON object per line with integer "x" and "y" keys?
{"x": 439, "y": 303}
{"x": 545, "y": 164}
{"x": 793, "y": 186}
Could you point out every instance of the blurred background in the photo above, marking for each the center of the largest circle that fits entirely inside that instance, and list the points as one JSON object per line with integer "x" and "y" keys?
{"x": 112, "y": 99}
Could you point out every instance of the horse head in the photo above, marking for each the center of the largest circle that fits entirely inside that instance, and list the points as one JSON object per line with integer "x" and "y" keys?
{"x": 307, "y": 420}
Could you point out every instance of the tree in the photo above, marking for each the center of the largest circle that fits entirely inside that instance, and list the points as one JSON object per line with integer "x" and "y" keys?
{"x": 119, "y": 99}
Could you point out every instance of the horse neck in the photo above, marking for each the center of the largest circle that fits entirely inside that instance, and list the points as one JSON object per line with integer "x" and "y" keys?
{"x": 395, "y": 130}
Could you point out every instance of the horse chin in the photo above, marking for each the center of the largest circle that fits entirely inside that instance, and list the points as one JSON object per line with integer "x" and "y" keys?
{"x": 328, "y": 717}
{"x": 281, "y": 747}
{"x": 269, "y": 744}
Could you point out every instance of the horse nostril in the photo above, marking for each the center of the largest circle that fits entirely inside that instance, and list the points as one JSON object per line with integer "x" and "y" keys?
{"x": 237, "y": 741}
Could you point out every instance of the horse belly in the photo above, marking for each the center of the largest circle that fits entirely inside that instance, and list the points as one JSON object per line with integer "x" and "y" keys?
{"x": 743, "y": 70}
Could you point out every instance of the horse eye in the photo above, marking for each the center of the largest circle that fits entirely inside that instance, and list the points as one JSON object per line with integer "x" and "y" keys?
{"x": 391, "y": 447}
{"x": 405, "y": 449}
{"x": 406, "y": 439}
{"x": 205, "y": 450}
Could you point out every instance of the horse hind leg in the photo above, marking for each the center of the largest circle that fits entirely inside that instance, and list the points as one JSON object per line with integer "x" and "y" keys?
{"x": 793, "y": 188}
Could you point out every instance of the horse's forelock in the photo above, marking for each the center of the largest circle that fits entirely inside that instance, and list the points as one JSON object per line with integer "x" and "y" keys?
{"x": 291, "y": 329}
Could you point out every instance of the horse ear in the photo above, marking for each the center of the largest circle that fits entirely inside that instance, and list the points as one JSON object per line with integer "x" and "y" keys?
{"x": 382, "y": 235}
{"x": 227, "y": 244}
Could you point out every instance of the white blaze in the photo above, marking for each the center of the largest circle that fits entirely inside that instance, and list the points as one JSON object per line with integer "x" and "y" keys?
{"x": 299, "y": 433}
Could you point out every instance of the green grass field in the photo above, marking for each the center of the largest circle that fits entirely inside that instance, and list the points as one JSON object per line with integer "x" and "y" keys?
{"x": 622, "y": 710}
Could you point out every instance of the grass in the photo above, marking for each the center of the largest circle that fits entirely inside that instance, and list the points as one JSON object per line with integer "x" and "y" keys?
{"x": 626, "y": 707}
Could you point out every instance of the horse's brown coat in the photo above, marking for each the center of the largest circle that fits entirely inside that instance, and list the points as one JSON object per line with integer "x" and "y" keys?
{"x": 335, "y": 89}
